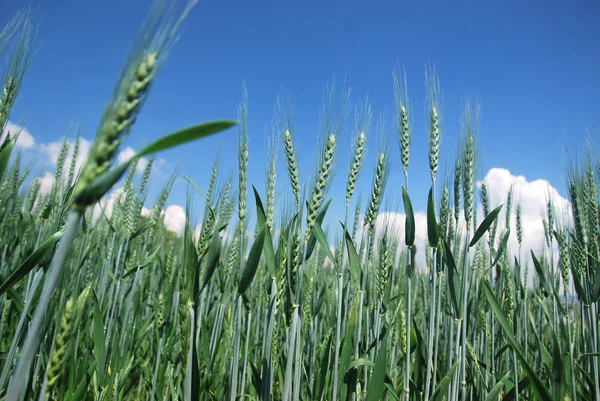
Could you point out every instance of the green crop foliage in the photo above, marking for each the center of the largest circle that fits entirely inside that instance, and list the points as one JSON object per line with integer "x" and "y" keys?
{"x": 295, "y": 304}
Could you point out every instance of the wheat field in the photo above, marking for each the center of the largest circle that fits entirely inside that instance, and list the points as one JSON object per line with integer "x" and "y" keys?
{"x": 283, "y": 298}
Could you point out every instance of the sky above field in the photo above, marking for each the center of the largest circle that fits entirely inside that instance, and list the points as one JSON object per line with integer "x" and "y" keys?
{"x": 534, "y": 66}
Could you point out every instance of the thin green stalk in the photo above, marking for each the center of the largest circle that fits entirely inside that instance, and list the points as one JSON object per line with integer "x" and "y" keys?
{"x": 287, "y": 390}
{"x": 593, "y": 323}
{"x": 432, "y": 329}
{"x": 571, "y": 350}
{"x": 13, "y": 347}
{"x": 361, "y": 298}
{"x": 236, "y": 350}
{"x": 409, "y": 268}
{"x": 298, "y": 365}
{"x": 338, "y": 330}
{"x": 408, "y": 324}
{"x": 437, "y": 325}
{"x": 187, "y": 384}
{"x": 156, "y": 367}
{"x": 34, "y": 334}
{"x": 245, "y": 365}
{"x": 361, "y": 293}
{"x": 462, "y": 326}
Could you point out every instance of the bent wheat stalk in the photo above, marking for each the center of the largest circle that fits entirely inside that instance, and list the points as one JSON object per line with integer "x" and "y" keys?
{"x": 130, "y": 92}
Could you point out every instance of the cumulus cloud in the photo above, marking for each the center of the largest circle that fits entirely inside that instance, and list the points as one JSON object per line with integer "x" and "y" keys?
{"x": 174, "y": 218}
{"x": 533, "y": 196}
{"x": 24, "y": 140}
{"x": 196, "y": 233}
{"x": 46, "y": 182}
{"x": 394, "y": 223}
{"x": 227, "y": 236}
{"x": 52, "y": 151}
{"x": 107, "y": 203}
{"x": 127, "y": 154}
{"x": 49, "y": 153}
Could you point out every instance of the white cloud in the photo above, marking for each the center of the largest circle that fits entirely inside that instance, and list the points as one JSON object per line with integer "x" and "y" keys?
{"x": 394, "y": 223}
{"x": 533, "y": 197}
{"x": 174, "y": 218}
{"x": 107, "y": 203}
{"x": 127, "y": 154}
{"x": 25, "y": 140}
{"x": 46, "y": 182}
{"x": 173, "y": 215}
{"x": 226, "y": 236}
{"x": 52, "y": 150}
{"x": 196, "y": 233}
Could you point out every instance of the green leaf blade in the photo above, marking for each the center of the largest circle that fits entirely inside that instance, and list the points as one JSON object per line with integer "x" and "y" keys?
{"x": 377, "y": 382}
{"x": 99, "y": 342}
{"x": 269, "y": 251}
{"x": 252, "y": 262}
{"x": 30, "y": 262}
{"x": 538, "y": 386}
{"x": 186, "y": 135}
{"x": 214, "y": 252}
{"x": 485, "y": 225}
{"x": 433, "y": 230}
{"x": 409, "y": 235}
{"x": 354, "y": 262}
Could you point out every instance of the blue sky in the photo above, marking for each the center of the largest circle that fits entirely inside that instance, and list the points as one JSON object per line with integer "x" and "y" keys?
{"x": 533, "y": 64}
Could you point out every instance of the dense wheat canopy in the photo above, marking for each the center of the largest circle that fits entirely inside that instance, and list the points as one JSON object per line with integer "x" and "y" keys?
{"x": 259, "y": 296}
